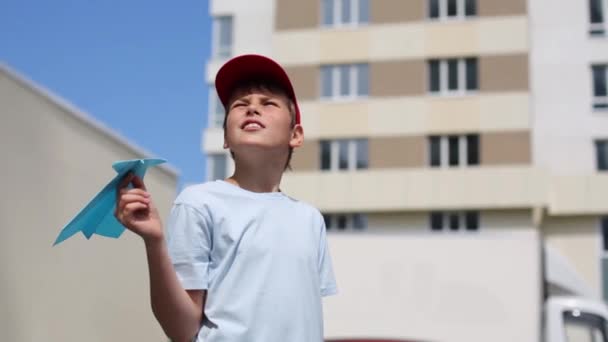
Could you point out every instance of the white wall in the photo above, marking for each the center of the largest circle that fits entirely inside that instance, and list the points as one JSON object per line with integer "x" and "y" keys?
{"x": 561, "y": 53}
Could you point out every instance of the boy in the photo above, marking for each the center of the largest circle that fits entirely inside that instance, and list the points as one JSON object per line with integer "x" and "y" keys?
{"x": 242, "y": 261}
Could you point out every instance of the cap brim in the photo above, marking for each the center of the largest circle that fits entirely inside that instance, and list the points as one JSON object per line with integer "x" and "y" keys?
{"x": 251, "y": 67}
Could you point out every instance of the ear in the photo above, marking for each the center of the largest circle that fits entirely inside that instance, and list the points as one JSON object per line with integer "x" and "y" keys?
{"x": 297, "y": 136}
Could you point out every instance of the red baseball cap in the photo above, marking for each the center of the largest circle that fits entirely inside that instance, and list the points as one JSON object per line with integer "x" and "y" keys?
{"x": 249, "y": 67}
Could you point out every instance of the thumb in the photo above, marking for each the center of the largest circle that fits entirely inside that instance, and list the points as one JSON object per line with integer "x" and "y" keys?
{"x": 138, "y": 183}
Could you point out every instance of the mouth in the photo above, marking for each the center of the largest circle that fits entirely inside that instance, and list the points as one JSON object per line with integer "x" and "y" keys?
{"x": 251, "y": 125}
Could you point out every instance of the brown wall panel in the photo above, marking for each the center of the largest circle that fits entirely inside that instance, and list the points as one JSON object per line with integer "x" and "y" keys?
{"x": 501, "y": 7}
{"x": 503, "y": 73}
{"x": 505, "y": 148}
{"x": 395, "y": 11}
{"x": 305, "y": 79}
{"x": 397, "y": 152}
{"x": 307, "y": 157}
{"x": 297, "y": 14}
{"x": 398, "y": 78}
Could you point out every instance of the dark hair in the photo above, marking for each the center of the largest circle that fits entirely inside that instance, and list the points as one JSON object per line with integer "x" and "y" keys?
{"x": 266, "y": 85}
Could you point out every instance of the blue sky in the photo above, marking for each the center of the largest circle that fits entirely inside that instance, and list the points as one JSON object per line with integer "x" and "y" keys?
{"x": 137, "y": 66}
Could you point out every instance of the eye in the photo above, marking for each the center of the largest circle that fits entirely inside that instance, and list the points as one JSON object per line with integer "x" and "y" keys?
{"x": 238, "y": 104}
{"x": 271, "y": 103}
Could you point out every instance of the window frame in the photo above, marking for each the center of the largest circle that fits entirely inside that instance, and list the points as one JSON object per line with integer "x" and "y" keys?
{"x": 354, "y": 72}
{"x": 215, "y": 119}
{"x": 211, "y": 165}
{"x": 337, "y": 22}
{"x": 443, "y": 16}
{"x": 599, "y": 103}
{"x": 352, "y": 147}
{"x": 445, "y": 217}
{"x": 598, "y": 144}
{"x": 330, "y": 220}
{"x": 217, "y": 51}
{"x": 599, "y": 29}
{"x": 464, "y": 151}
{"x": 462, "y": 80}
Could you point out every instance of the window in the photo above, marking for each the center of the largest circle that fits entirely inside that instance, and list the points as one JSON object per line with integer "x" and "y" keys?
{"x": 453, "y": 150}
{"x": 600, "y": 86}
{"x": 345, "y": 81}
{"x": 597, "y": 11}
{"x": 583, "y": 326}
{"x": 344, "y": 154}
{"x": 454, "y": 221}
{"x": 217, "y": 166}
{"x": 222, "y": 37}
{"x": 336, "y": 13}
{"x": 216, "y": 109}
{"x": 453, "y": 75}
{"x": 604, "y": 255}
{"x": 601, "y": 154}
{"x": 451, "y": 9}
{"x": 340, "y": 222}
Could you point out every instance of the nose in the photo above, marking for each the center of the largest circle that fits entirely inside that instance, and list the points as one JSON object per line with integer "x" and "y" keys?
{"x": 252, "y": 109}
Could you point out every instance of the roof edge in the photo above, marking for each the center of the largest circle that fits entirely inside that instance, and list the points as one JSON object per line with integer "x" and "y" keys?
{"x": 72, "y": 110}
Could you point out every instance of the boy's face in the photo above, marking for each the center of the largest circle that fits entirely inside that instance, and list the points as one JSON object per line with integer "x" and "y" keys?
{"x": 260, "y": 119}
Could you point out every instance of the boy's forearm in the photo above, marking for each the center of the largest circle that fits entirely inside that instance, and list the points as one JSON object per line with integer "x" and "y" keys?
{"x": 177, "y": 314}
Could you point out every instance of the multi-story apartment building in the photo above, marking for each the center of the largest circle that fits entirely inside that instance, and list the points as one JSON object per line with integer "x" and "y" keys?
{"x": 440, "y": 116}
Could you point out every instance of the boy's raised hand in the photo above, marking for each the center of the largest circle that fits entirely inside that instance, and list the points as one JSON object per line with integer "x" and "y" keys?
{"x": 136, "y": 211}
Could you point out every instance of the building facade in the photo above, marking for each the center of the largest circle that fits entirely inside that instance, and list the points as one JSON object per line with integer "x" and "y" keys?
{"x": 55, "y": 159}
{"x": 439, "y": 116}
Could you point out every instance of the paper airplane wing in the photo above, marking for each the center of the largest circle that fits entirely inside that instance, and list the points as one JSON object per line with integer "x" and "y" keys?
{"x": 97, "y": 217}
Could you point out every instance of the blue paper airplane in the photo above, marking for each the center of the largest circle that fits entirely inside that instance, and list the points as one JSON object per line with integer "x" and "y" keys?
{"x": 98, "y": 215}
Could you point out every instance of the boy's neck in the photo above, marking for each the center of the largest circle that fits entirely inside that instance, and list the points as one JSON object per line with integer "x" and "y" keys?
{"x": 257, "y": 176}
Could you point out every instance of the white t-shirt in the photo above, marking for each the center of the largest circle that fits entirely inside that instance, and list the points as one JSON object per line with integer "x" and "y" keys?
{"x": 262, "y": 257}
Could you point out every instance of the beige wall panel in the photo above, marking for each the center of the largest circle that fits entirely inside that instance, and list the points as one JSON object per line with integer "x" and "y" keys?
{"x": 398, "y": 78}
{"x": 344, "y": 46}
{"x": 419, "y": 189}
{"x": 397, "y": 152}
{"x": 352, "y": 118}
{"x": 501, "y": 8}
{"x": 305, "y": 81}
{"x": 490, "y": 221}
{"x": 489, "y": 36}
{"x": 451, "y": 39}
{"x": 502, "y": 35}
{"x": 297, "y": 14}
{"x": 306, "y": 158}
{"x": 578, "y": 194}
{"x": 391, "y": 11}
{"x": 577, "y": 239}
{"x": 397, "y": 41}
{"x": 503, "y": 73}
{"x": 80, "y": 290}
{"x": 297, "y": 47}
{"x": 416, "y": 116}
{"x": 505, "y": 148}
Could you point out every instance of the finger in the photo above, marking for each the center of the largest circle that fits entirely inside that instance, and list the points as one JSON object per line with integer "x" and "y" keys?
{"x": 129, "y": 197}
{"x": 138, "y": 183}
{"x": 136, "y": 191}
{"x": 125, "y": 200}
{"x": 133, "y": 207}
{"x": 124, "y": 182}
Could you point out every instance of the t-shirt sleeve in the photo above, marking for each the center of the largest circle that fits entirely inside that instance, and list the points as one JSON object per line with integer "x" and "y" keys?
{"x": 189, "y": 238}
{"x": 326, "y": 272}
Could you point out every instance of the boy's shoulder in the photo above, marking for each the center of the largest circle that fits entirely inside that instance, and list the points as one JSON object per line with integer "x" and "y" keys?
{"x": 197, "y": 194}
{"x": 204, "y": 194}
